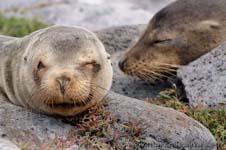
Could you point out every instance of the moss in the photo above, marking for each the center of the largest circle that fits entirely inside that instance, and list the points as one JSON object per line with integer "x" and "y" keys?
{"x": 212, "y": 118}
{"x": 19, "y": 27}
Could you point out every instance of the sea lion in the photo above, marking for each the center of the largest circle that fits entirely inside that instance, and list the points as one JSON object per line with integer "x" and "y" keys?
{"x": 178, "y": 34}
{"x": 58, "y": 70}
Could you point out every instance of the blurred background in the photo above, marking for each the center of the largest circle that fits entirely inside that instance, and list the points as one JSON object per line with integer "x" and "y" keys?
{"x": 93, "y": 14}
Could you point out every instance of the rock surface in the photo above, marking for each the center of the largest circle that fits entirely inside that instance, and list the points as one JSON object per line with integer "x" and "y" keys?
{"x": 166, "y": 128}
{"x": 116, "y": 41}
{"x": 205, "y": 78}
{"x": 23, "y": 126}
{"x": 7, "y": 145}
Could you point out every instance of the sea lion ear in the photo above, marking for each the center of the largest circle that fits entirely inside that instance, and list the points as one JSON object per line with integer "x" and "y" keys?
{"x": 209, "y": 24}
{"x": 151, "y": 34}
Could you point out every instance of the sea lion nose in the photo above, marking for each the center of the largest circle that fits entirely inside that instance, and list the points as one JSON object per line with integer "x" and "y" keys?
{"x": 63, "y": 81}
{"x": 121, "y": 64}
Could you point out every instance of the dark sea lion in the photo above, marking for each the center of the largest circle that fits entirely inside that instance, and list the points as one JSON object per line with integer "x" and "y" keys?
{"x": 178, "y": 34}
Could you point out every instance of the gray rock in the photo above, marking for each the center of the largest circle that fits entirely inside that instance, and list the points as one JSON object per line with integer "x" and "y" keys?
{"x": 27, "y": 127}
{"x": 205, "y": 78}
{"x": 119, "y": 38}
{"x": 165, "y": 128}
{"x": 7, "y": 145}
{"x": 116, "y": 41}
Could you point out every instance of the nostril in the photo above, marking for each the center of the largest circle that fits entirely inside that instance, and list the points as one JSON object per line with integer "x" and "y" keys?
{"x": 122, "y": 64}
{"x": 63, "y": 81}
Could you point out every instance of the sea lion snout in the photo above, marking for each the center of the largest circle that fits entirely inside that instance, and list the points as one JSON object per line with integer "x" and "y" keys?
{"x": 62, "y": 82}
{"x": 175, "y": 36}
{"x": 128, "y": 60}
{"x": 121, "y": 64}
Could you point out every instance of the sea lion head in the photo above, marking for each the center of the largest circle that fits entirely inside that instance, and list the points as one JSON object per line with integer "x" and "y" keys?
{"x": 175, "y": 36}
{"x": 65, "y": 70}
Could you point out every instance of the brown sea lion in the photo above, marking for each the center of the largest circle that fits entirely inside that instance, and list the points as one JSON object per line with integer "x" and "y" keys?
{"x": 178, "y": 34}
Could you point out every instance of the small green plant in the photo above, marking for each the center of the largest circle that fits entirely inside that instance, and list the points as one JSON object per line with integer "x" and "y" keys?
{"x": 19, "y": 27}
{"x": 212, "y": 118}
{"x": 96, "y": 129}
{"x": 99, "y": 129}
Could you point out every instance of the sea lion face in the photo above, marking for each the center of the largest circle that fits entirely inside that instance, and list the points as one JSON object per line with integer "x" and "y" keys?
{"x": 174, "y": 37}
{"x": 68, "y": 69}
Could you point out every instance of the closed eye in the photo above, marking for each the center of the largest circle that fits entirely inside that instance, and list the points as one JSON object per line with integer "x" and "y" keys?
{"x": 90, "y": 63}
{"x": 161, "y": 41}
{"x": 93, "y": 65}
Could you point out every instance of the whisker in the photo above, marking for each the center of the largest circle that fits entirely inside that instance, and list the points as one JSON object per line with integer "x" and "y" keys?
{"x": 171, "y": 65}
{"x": 167, "y": 72}
{"x": 98, "y": 86}
{"x": 165, "y": 68}
{"x": 156, "y": 73}
{"x": 151, "y": 77}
